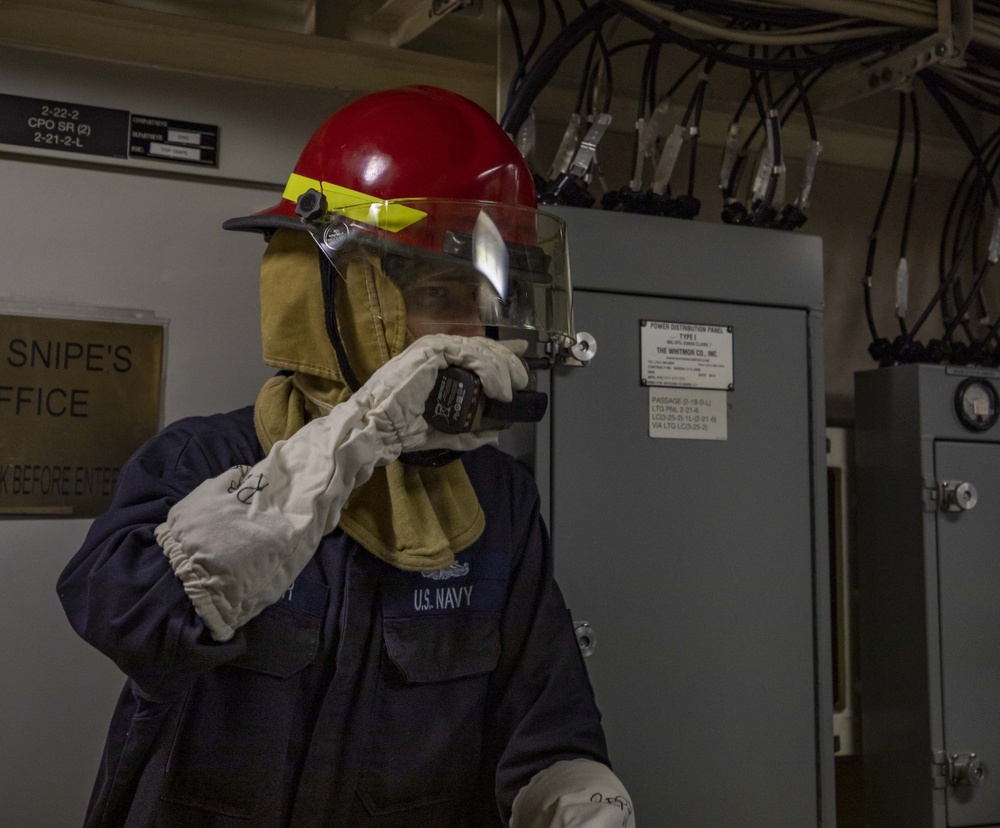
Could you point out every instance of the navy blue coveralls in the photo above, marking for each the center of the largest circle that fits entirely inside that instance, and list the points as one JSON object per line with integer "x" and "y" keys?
{"x": 366, "y": 696}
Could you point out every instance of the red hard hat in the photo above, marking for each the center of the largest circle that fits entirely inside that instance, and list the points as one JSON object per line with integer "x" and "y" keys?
{"x": 416, "y": 142}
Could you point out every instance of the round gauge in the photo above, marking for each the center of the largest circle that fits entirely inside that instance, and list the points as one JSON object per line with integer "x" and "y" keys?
{"x": 977, "y": 404}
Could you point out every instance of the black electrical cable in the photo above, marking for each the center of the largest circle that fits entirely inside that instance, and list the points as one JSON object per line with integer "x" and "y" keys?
{"x": 755, "y": 93}
{"x": 960, "y": 312}
{"x": 696, "y": 125}
{"x": 992, "y": 332}
{"x": 914, "y": 175}
{"x": 873, "y": 236}
{"x": 751, "y": 93}
{"x": 942, "y": 289}
{"x": 654, "y": 102}
{"x": 951, "y": 213}
{"x": 683, "y": 77}
{"x": 802, "y": 97}
{"x": 588, "y": 78}
{"x": 645, "y": 80}
{"x": 974, "y": 200}
{"x": 912, "y": 197}
{"x": 985, "y": 179}
{"x": 585, "y": 75}
{"x": 691, "y": 104}
{"x": 974, "y": 255}
{"x": 548, "y": 62}
{"x": 654, "y": 71}
{"x": 560, "y": 13}
{"x": 764, "y": 109}
{"x": 515, "y": 32}
{"x": 628, "y": 44}
{"x": 965, "y": 96}
{"x": 973, "y": 203}
{"x": 591, "y": 75}
{"x": 596, "y": 15}
{"x": 774, "y": 139}
{"x": 964, "y": 132}
{"x": 529, "y": 53}
{"x": 803, "y": 89}
{"x": 980, "y": 71}
{"x": 592, "y": 84}
{"x": 992, "y": 156}
{"x": 768, "y": 91}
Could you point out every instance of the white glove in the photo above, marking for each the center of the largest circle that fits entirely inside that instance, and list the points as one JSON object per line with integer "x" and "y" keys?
{"x": 573, "y": 793}
{"x": 399, "y": 389}
{"x": 238, "y": 540}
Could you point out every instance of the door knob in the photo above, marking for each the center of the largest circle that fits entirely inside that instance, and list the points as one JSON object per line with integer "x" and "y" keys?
{"x": 958, "y": 496}
{"x": 968, "y": 769}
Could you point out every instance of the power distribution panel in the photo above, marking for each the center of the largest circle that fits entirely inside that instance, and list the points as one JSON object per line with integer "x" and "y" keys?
{"x": 928, "y": 521}
{"x": 689, "y": 521}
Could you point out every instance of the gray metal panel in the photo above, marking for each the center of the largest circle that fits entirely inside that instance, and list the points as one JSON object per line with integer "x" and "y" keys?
{"x": 628, "y": 253}
{"x": 693, "y": 560}
{"x": 823, "y": 588}
{"x": 898, "y": 624}
{"x": 925, "y": 580}
{"x": 969, "y": 568}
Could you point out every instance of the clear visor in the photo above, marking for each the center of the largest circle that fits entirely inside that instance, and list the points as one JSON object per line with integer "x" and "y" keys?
{"x": 470, "y": 268}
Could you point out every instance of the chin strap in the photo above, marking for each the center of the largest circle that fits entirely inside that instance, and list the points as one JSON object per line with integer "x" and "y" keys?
{"x": 328, "y": 279}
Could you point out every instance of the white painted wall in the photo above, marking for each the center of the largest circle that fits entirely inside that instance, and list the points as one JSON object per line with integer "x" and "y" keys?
{"x": 81, "y": 230}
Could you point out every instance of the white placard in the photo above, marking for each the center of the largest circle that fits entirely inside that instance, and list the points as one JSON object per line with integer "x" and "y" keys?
{"x": 177, "y": 136}
{"x": 171, "y": 151}
{"x": 686, "y": 355}
{"x": 679, "y": 414}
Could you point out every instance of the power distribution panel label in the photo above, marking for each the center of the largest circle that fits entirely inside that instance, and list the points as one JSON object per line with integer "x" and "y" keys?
{"x": 688, "y": 415}
{"x": 686, "y": 355}
{"x": 55, "y": 125}
{"x": 165, "y": 140}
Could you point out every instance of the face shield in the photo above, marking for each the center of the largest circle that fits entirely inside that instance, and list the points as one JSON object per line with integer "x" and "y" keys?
{"x": 470, "y": 268}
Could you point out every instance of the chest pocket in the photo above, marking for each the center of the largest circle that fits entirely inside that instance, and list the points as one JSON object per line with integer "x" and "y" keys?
{"x": 427, "y": 721}
{"x": 284, "y": 638}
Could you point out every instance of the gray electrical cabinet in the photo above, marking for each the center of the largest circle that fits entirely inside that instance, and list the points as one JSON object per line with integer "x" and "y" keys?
{"x": 689, "y": 521}
{"x": 928, "y": 522}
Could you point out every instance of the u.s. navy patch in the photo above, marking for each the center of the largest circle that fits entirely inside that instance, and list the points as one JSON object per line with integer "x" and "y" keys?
{"x": 456, "y": 588}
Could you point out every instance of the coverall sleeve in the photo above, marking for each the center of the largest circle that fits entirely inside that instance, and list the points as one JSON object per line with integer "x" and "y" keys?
{"x": 542, "y": 706}
{"x": 119, "y": 592}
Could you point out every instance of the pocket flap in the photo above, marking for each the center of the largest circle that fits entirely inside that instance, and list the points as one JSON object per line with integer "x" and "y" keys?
{"x": 443, "y": 647}
{"x": 280, "y": 642}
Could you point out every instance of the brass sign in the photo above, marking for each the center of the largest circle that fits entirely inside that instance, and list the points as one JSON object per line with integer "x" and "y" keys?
{"x": 77, "y": 398}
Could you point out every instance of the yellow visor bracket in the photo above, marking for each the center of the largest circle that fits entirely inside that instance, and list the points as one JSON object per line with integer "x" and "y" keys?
{"x": 354, "y": 205}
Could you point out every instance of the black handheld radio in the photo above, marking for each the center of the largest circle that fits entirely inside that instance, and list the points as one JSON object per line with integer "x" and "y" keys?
{"x": 457, "y": 404}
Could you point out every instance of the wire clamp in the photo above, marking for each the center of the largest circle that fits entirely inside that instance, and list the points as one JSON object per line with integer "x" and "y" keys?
{"x": 896, "y": 71}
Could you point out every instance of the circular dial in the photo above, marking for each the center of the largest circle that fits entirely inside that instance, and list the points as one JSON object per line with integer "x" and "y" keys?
{"x": 977, "y": 404}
